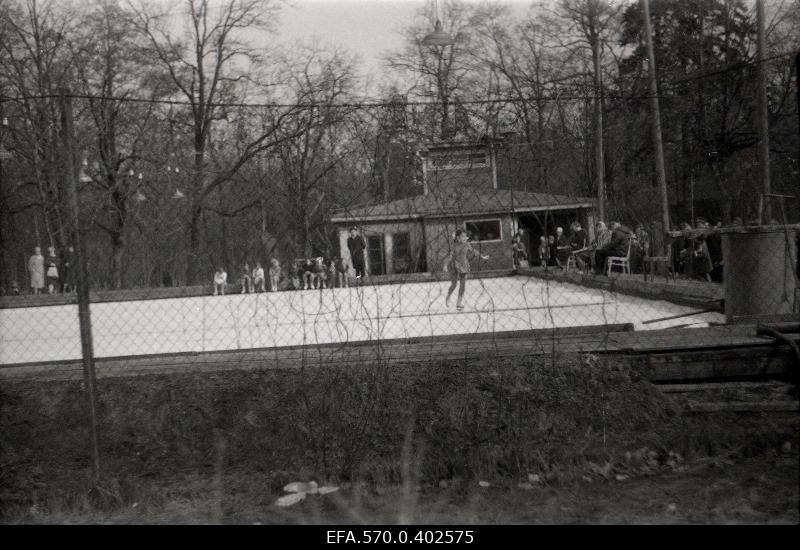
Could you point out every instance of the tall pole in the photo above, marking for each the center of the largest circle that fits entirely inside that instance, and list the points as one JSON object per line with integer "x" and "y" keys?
{"x": 71, "y": 197}
{"x": 657, "y": 146}
{"x": 4, "y": 271}
{"x": 598, "y": 131}
{"x": 763, "y": 114}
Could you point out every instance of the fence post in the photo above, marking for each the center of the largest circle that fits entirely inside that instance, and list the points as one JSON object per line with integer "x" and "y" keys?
{"x": 82, "y": 279}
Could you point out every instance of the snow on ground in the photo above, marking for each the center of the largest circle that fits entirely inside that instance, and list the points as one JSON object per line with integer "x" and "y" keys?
{"x": 244, "y": 321}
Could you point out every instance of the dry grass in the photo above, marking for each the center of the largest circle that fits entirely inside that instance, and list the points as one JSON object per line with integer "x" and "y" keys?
{"x": 404, "y": 443}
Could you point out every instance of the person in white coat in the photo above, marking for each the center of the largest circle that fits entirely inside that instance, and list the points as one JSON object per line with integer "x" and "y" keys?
{"x": 36, "y": 270}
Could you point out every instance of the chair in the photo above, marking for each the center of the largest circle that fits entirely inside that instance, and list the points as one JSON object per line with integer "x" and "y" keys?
{"x": 620, "y": 261}
{"x": 571, "y": 262}
{"x": 669, "y": 268}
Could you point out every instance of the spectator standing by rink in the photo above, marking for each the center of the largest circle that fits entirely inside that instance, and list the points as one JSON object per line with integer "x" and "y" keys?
{"x": 552, "y": 251}
{"x": 52, "y": 270}
{"x": 258, "y": 278}
{"x": 701, "y": 260}
{"x": 562, "y": 247}
{"x": 220, "y": 280}
{"x": 341, "y": 272}
{"x": 36, "y": 270}
{"x": 67, "y": 271}
{"x": 543, "y": 250}
{"x": 641, "y": 247}
{"x": 518, "y": 252}
{"x": 274, "y": 274}
{"x": 714, "y": 244}
{"x": 357, "y": 246}
{"x": 458, "y": 259}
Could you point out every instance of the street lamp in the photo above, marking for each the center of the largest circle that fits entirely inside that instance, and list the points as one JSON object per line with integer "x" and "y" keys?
{"x": 438, "y": 37}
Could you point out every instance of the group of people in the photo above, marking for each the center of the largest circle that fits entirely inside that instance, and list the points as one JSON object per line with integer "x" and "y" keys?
{"x": 52, "y": 274}
{"x": 306, "y": 273}
{"x": 555, "y": 250}
{"x": 698, "y": 256}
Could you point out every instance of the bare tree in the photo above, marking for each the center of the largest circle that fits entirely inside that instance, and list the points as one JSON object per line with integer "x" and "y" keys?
{"x": 590, "y": 23}
{"x": 309, "y": 161}
{"x": 111, "y": 71}
{"x": 207, "y": 69}
{"x": 35, "y": 63}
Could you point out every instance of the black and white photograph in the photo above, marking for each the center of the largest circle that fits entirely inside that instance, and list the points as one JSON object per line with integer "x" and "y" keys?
{"x": 414, "y": 270}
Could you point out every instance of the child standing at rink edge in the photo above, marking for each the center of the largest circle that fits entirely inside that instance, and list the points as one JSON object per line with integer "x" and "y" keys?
{"x": 459, "y": 260}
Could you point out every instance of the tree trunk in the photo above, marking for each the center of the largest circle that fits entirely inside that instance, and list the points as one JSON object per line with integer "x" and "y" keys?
{"x": 306, "y": 235}
{"x": 194, "y": 246}
{"x": 192, "y": 264}
{"x": 656, "y": 126}
{"x": 117, "y": 252}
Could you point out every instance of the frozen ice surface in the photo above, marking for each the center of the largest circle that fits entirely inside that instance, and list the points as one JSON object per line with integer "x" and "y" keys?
{"x": 246, "y": 321}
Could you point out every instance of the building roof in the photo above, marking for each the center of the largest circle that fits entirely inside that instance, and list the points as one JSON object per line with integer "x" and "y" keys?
{"x": 465, "y": 203}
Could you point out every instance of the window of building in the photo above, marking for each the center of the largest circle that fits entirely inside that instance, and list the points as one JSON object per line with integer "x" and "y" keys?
{"x": 377, "y": 265}
{"x": 445, "y": 160}
{"x": 484, "y": 230}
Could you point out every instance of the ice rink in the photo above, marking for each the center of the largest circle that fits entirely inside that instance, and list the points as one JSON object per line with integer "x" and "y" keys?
{"x": 245, "y": 321}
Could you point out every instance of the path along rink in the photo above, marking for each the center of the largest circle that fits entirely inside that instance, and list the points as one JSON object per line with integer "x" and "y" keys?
{"x": 246, "y": 321}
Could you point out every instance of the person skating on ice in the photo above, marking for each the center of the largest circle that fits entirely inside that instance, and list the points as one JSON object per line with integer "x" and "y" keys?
{"x": 458, "y": 259}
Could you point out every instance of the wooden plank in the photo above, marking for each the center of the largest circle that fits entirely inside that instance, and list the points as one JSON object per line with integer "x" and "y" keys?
{"x": 754, "y": 407}
{"x": 780, "y": 318}
{"x": 716, "y": 365}
{"x": 719, "y": 386}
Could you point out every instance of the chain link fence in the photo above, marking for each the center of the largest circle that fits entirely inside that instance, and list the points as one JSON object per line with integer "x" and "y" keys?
{"x": 461, "y": 261}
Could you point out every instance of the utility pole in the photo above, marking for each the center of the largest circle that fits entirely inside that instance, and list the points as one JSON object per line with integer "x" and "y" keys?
{"x": 657, "y": 146}
{"x": 71, "y": 197}
{"x": 763, "y": 114}
{"x": 598, "y": 130}
{"x": 4, "y": 154}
